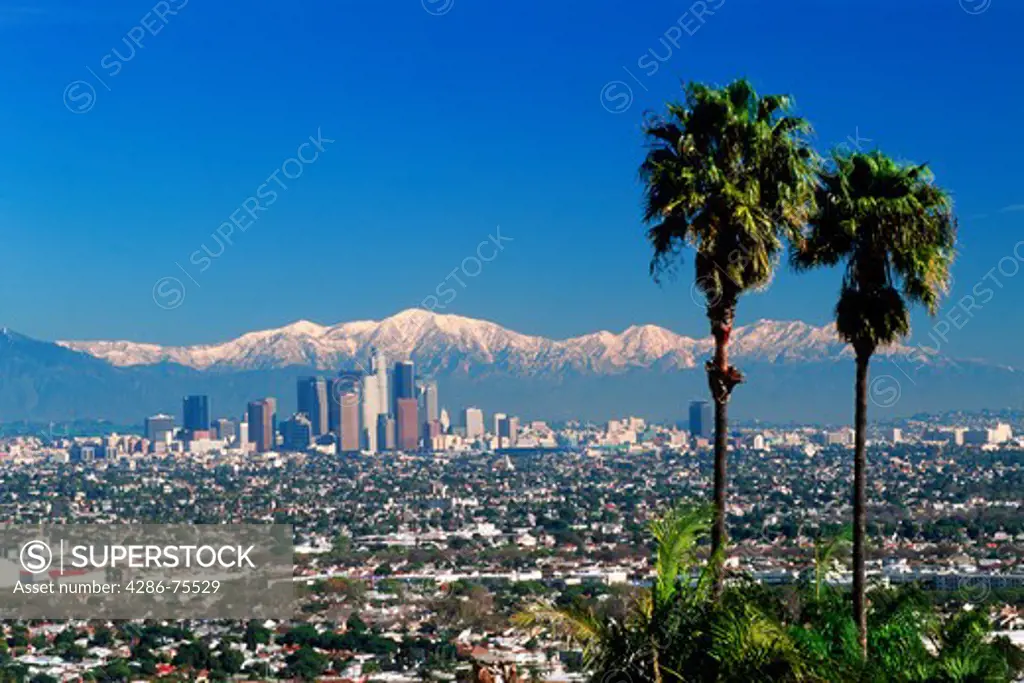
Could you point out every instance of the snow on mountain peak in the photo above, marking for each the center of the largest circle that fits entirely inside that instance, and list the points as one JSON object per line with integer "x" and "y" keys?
{"x": 446, "y": 341}
{"x": 305, "y": 327}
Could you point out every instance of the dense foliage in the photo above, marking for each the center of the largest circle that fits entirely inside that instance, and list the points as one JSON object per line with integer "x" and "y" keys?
{"x": 676, "y": 631}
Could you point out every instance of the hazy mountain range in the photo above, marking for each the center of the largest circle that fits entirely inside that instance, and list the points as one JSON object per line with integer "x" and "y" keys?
{"x": 796, "y": 371}
{"x": 446, "y": 342}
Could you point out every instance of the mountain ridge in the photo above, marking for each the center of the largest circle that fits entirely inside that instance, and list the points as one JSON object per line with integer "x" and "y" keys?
{"x": 447, "y": 339}
{"x": 795, "y": 371}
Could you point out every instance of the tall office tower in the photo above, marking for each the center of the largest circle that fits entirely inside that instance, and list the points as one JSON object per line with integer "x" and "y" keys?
{"x": 334, "y": 389}
{"x": 386, "y": 432}
{"x": 445, "y": 421}
{"x": 431, "y": 431}
{"x": 349, "y": 436}
{"x": 404, "y": 383}
{"x": 243, "y": 435}
{"x": 369, "y": 405}
{"x": 408, "y": 424}
{"x": 159, "y": 428}
{"x": 473, "y": 421}
{"x": 701, "y": 420}
{"x": 343, "y": 390}
{"x": 508, "y": 431}
{"x": 196, "y": 414}
{"x": 379, "y": 368}
{"x": 312, "y": 395}
{"x": 298, "y": 433}
{"x": 224, "y": 429}
{"x": 261, "y": 424}
{"x": 498, "y": 417}
{"x": 273, "y": 421}
{"x": 430, "y": 405}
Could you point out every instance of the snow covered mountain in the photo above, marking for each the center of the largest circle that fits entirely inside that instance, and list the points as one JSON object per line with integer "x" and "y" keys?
{"x": 451, "y": 343}
{"x": 795, "y": 371}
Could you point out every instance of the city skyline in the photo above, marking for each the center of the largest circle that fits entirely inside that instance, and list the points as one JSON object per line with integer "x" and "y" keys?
{"x": 346, "y": 408}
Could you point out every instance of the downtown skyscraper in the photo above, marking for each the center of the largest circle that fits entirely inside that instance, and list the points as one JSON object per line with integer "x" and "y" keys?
{"x": 313, "y": 401}
{"x": 431, "y": 407}
{"x": 369, "y": 412}
{"x": 408, "y": 425}
{"x": 261, "y": 424}
{"x": 334, "y": 389}
{"x": 701, "y": 420}
{"x": 379, "y": 368}
{"x": 195, "y": 414}
{"x": 345, "y": 399}
{"x": 404, "y": 383}
{"x": 406, "y": 406}
{"x": 473, "y": 421}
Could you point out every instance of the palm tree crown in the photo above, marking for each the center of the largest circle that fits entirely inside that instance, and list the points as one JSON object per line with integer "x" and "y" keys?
{"x": 894, "y": 230}
{"x": 729, "y": 174}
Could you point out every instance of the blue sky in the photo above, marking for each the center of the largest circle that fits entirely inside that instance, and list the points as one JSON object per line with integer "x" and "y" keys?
{"x": 450, "y": 118}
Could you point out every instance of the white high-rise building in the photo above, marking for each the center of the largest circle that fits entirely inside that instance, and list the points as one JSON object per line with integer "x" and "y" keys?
{"x": 430, "y": 404}
{"x": 242, "y": 436}
{"x": 498, "y": 417}
{"x": 473, "y": 419}
{"x": 1002, "y": 433}
{"x": 370, "y": 408}
{"x": 379, "y": 367}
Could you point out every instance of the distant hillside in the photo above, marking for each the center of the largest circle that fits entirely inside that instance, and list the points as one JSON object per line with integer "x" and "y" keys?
{"x": 796, "y": 372}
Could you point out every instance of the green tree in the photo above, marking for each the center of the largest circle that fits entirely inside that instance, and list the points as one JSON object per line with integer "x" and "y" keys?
{"x": 19, "y": 636}
{"x": 65, "y": 638}
{"x": 255, "y": 634}
{"x": 15, "y": 673}
{"x": 302, "y": 635}
{"x": 341, "y": 546}
{"x": 306, "y": 664}
{"x": 231, "y": 660}
{"x": 730, "y": 174}
{"x": 908, "y": 641}
{"x": 102, "y": 637}
{"x": 116, "y": 670}
{"x": 260, "y": 669}
{"x": 894, "y": 232}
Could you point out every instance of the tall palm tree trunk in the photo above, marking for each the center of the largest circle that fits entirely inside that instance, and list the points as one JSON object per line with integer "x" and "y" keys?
{"x": 860, "y": 612}
{"x": 718, "y": 532}
{"x": 722, "y": 379}
{"x": 721, "y": 451}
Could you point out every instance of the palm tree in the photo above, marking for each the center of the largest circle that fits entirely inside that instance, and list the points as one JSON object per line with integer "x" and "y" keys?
{"x": 911, "y": 641}
{"x": 825, "y": 551}
{"x": 730, "y": 174}
{"x": 676, "y": 630}
{"x": 894, "y": 231}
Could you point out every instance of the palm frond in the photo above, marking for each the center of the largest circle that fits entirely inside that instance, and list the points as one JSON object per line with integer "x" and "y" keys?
{"x": 730, "y": 174}
{"x": 677, "y": 535}
{"x": 895, "y": 233}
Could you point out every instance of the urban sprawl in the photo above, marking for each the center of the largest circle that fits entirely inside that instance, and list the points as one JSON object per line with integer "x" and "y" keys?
{"x": 417, "y": 539}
